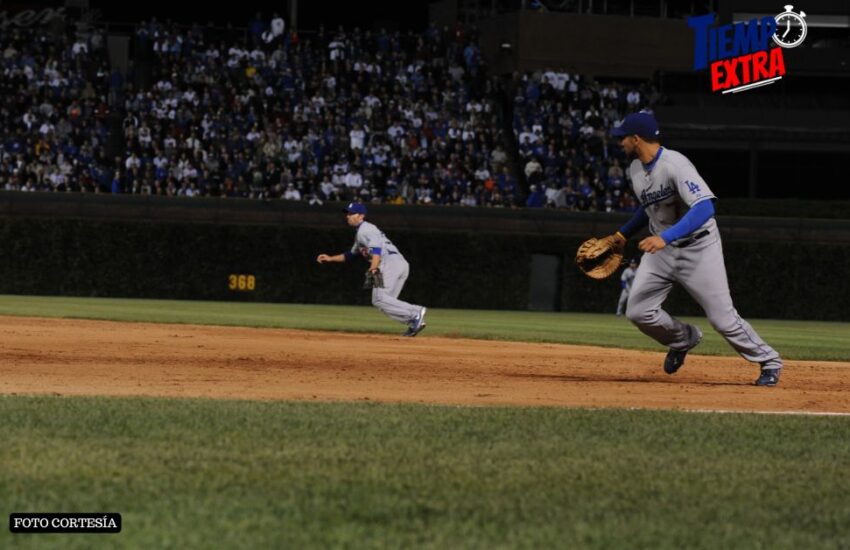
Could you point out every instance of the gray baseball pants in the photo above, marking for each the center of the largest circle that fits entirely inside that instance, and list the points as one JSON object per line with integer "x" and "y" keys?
{"x": 395, "y": 270}
{"x": 700, "y": 269}
{"x": 621, "y": 304}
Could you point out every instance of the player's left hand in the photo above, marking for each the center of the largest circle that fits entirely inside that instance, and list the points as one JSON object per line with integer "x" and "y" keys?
{"x": 652, "y": 244}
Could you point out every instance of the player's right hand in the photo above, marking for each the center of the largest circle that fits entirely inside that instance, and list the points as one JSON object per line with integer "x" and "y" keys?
{"x": 652, "y": 244}
{"x": 322, "y": 258}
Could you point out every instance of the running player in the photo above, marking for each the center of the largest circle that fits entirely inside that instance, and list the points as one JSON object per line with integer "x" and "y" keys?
{"x": 684, "y": 247}
{"x": 383, "y": 255}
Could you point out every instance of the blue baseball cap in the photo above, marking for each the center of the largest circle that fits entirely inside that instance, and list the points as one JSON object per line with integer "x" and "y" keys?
{"x": 642, "y": 124}
{"x": 355, "y": 208}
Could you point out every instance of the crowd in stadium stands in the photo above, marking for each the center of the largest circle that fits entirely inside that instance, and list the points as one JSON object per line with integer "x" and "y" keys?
{"x": 53, "y": 116}
{"x": 562, "y": 126}
{"x": 401, "y": 118}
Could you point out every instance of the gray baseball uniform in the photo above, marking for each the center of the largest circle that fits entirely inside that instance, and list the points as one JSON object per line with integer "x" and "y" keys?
{"x": 667, "y": 188}
{"x": 394, "y": 268}
{"x": 627, "y": 278}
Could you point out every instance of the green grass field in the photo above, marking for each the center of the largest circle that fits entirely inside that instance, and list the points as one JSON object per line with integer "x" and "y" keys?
{"x": 193, "y": 473}
{"x": 793, "y": 339}
{"x": 207, "y": 474}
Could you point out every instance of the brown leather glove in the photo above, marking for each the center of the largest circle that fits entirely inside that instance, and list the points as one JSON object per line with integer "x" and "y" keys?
{"x": 601, "y": 258}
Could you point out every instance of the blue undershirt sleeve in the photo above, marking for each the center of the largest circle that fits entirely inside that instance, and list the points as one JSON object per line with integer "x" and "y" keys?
{"x": 699, "y": 213}
{"x": 638, "y": 222}
{"x": 349, "y": 255}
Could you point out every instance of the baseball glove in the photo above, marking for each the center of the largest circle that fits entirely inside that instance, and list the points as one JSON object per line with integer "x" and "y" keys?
{"x": 374, "y": 279}
{"x": 600, "y": 258}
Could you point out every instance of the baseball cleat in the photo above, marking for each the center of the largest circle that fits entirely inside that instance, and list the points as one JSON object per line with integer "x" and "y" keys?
{"x": 418, "y": 324}
{"x": 676, "y": 358}
{"x": 768, "y": 377}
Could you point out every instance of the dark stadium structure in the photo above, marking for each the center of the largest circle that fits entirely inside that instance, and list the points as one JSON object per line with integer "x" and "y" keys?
{"x": 494, "y": 103}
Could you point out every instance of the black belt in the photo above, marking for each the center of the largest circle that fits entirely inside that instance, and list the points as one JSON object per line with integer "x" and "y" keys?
{"x": 691, "y": 240}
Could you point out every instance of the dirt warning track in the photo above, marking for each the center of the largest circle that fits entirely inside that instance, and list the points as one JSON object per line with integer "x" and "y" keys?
{"x": 76, "y": 357}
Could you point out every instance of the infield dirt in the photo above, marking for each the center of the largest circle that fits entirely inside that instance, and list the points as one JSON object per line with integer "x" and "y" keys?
{"x": 78, "y": 357}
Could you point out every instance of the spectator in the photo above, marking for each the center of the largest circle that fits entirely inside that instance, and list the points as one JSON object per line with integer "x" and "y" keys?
{"x": 275, "y": 33}
{"x": 392, "y": 116}
{"x": 533, "y": 168}
{"x": 291, "y": 193}
{"x": 536, "y": 198}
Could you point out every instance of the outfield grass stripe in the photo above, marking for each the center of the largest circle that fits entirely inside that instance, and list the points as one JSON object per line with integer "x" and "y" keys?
{"x": 793, "y": 339}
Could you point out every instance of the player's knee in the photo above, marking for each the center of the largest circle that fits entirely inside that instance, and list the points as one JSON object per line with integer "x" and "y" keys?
{"x": 378, "y": 299}
{"x": 641, "y": 316}
{"x": 634, "y": 315}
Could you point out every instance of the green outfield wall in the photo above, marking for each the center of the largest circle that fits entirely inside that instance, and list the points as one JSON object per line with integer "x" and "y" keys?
{"x": 457, "y": 260}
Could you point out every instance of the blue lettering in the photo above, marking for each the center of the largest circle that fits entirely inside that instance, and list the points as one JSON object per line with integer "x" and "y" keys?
{"x": 768, "y": 27}
{"x": 651, "y": 197}
{"x": 711, "y": 44}
{"x": 700, "y": 24}
{"x": 725, "y": 42}
{"x": 746, "y": 37}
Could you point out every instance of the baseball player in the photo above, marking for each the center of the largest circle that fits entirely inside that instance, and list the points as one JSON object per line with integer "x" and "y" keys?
{"x": 626, "y": 280}
{"x": 384, "y": 256}
{"x": 684, "y": 247}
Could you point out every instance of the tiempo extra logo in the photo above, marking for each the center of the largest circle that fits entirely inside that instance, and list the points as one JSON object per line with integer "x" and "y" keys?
{"x": 739, "y": 56}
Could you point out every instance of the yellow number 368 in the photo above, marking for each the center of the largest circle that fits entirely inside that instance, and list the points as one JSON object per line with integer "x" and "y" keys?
{"x": 241, "y": 282}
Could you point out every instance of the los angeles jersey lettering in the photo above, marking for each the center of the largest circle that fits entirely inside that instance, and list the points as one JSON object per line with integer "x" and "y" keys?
{"x": 669, "y": 189}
